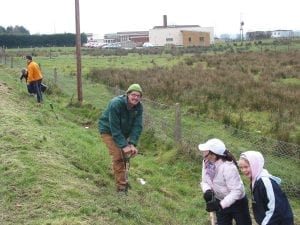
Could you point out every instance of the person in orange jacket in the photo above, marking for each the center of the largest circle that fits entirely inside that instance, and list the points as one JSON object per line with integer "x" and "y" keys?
{"x": 34, "y": 78}
{"x": 30, "y": 88}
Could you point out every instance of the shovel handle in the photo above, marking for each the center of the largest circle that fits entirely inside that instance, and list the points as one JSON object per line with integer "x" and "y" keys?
{"x": 212, "y": 216}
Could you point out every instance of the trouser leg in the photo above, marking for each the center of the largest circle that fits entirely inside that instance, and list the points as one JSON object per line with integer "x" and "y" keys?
{"x": 118, "y": 163}
{"x": 241, "y": 212}
{"x": 238, "y": 211}
{"x": 37, "y": 87}
{"x": 224, "y": 218}
{"x": 30, "y": 88}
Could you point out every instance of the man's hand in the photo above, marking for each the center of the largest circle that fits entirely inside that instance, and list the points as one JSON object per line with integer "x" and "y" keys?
{"x": 127, "y": 150}
{"x": 130, "y": 150}
{"x": 134, "y": 150}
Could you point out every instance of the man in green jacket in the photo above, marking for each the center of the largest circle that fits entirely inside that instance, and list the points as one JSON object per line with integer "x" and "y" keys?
{"x": 120, "y": 127}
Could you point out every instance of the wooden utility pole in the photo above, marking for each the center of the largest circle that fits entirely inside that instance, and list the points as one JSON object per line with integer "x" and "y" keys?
{"x": 78, "y": 52}
{"x": 177, "y": 124}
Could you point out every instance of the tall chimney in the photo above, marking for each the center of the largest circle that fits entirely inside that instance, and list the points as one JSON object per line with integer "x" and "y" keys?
{"x": 165, "y": 21}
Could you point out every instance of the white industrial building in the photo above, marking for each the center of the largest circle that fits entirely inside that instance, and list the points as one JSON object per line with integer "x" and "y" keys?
{"x": 282, "y": 34}
{"x": 165, "y": 35}
{"x": 181, "y": 35}
{"x": 174, "y": 35}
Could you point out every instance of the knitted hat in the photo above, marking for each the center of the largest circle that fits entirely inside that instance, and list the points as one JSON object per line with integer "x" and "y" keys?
{"x": 134, "y": 87}
{"x": 214, "y": 145}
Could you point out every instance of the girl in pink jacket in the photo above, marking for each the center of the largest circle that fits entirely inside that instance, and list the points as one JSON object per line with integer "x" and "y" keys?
{"x": 221, "y": 183}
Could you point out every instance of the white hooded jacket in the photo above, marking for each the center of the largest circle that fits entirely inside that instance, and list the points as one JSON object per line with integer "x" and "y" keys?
{"x": 270, "y": 205}
{"x": 226, "y": 184}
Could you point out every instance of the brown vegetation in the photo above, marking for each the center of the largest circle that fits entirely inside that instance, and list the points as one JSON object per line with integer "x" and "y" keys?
{"x": 218, "y": 85}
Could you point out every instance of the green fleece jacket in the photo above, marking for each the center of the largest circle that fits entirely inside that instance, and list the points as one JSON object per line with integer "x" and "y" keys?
{"x": 123, "y": 123}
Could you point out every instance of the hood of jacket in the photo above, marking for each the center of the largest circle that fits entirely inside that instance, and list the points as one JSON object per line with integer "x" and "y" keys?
{"x": 256, "y": 162}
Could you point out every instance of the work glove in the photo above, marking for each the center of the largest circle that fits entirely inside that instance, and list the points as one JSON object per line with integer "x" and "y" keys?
{"x": 213, "y": 206}
{"x": 208, "y": 195}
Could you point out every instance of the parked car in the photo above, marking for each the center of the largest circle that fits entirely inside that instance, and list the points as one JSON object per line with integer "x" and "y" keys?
{"x": 147, "y": 45}
{"x": 113, "y": 45}
{"x": 93, "y": 44}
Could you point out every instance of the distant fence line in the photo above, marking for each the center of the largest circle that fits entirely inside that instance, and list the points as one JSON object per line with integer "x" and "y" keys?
{"x": 170, "y": 124}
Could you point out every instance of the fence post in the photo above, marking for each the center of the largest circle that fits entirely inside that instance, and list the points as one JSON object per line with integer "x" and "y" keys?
{"x": 55, "y": 75}
{"x": 11, "y": 62}
{"x": 177, "y": 124}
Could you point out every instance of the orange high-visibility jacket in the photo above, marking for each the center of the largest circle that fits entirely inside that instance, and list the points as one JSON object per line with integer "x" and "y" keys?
{"x": 34, "y": 72}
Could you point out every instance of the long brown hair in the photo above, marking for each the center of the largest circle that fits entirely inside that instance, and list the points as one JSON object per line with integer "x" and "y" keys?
{"x": 228, "y": 156}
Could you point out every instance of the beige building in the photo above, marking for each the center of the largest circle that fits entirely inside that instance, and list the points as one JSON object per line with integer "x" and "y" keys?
{"x": 182, "y": 35}
{"x": 195, "y": 38}
{"x": 185, "y": 35}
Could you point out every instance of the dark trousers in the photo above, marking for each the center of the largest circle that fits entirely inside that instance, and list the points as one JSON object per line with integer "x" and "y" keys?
{"x": 37, "y": 86}
{"x": 238, "y": 211}
{"x": 31, "y": 89}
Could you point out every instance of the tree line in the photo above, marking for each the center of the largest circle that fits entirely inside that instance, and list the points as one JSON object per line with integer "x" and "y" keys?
{"x": 16, "y": 30}
{"x": 49, "y": 40}
{"x": 19, "y": 37}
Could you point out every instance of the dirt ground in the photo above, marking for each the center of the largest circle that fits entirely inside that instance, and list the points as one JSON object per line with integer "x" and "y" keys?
{"x": 3, "y": 92}
{"x": 3, "y": 87}
{"x": 5, "y": 97}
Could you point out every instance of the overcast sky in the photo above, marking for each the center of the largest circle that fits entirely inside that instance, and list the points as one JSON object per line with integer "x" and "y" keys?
{"x": 100, "y": 17}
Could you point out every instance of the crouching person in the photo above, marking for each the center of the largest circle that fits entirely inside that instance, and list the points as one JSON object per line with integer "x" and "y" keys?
{"x": 120, "y": 127}
{"x": 24, "y": 75}
{"x": 269, "y": 203}
{"x": 30, "y": 87}
{"x": 221, "y": 183}
{"x": 34, "y": 78}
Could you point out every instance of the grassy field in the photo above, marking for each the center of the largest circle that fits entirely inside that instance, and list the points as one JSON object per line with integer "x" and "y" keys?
{"x": 57, "y": 171}
{"x": 232, "y": 83}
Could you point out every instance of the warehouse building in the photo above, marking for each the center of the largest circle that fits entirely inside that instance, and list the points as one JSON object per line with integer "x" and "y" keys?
{"x": 165, "y": 35}
{"x": 181, "y": 35}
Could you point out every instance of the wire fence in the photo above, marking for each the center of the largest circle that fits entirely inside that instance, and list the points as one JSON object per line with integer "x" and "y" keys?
{"x": 185, "y": 131}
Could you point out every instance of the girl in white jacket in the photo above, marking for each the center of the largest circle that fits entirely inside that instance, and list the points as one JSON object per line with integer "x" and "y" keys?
{"x": 222, "y": 186}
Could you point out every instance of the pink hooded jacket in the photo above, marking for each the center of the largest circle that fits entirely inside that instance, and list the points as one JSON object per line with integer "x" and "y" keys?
{"x": 226, "y": 184}
{"x": 270, "y": 205}
{"x": 257, "y": 162}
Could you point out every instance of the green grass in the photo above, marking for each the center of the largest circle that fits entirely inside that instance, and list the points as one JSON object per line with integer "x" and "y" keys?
{"x": 57, "y": 171}
{"x": 66, "y": 63}
{"x": 291, "y": 81}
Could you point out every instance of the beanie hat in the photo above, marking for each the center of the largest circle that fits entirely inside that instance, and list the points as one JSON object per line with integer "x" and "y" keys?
{"x": 134, "y": 87}
{"x": 214, "y": 145}
{"x": 29, "y": 57}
